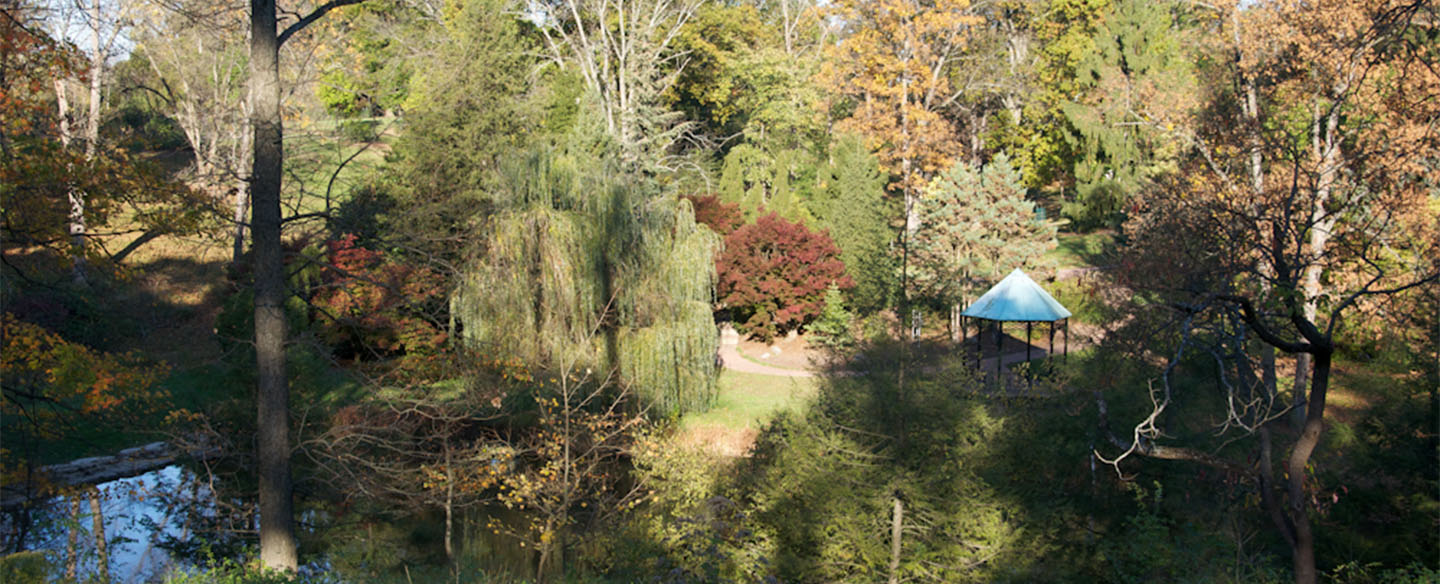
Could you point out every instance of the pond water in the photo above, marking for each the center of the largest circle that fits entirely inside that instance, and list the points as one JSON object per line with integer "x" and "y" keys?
{"x": 136, "y": 513}
{"x": 140, "y": 512}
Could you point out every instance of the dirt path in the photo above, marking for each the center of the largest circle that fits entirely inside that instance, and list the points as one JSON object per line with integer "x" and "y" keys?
{"x": 735, "y": 362}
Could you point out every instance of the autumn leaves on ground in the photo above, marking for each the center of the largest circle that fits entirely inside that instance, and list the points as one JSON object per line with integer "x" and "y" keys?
{"x": 444, "y": 290}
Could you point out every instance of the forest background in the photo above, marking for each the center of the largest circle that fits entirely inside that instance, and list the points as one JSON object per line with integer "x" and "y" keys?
{"x": 440, "y": 282}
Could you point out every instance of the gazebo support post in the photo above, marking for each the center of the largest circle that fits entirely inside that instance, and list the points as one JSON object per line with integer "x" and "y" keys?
{"x": 1066, "y": 340}
{"x": 979, "y": 344}
{"x": 1050, "y": 351}
{"x": 962, "y": 336}
{"x": 1029, "y": 375}
{"x": 999, "y": 349}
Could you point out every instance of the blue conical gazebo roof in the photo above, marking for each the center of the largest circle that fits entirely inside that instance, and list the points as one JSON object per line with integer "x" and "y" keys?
{"x": 1017, "y": 298}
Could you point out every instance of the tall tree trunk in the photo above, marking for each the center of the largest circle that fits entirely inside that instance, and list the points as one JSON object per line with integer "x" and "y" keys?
{"x": 449, "y": 506}
{"x": 1326, "y": 154}
{"x": 102, "y": 567}
{"x": 242, "y": 200}
{"x": 1304, "y": 545}
{"x": 99, "y": 49}
{"x": 277, "y": 526}
{"x": 74, "y": 198}
{"x": 1303, "y": 364}
{"x": 955, "y": 332}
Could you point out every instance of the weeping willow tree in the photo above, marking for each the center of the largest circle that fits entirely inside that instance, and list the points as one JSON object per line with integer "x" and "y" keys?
{"x": 585, "y": 267}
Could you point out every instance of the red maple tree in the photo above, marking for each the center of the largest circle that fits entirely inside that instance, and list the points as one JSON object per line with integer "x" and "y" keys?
{"x": 774, "y": 274}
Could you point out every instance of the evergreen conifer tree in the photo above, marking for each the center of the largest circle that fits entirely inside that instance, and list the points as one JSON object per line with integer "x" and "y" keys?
{"x": 1139, "y": 80}
{"x": 975, "y": 225}
{"x": 850, "y": 203}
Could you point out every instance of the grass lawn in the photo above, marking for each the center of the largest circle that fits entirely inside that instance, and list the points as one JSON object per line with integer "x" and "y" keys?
{"x": 1083, "y": 250}
{"x": 314, "y": 153}
{"x": 748, "y": 400}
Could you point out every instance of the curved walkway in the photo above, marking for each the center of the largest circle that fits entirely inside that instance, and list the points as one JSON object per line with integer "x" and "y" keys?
{"x": 730, "y": 356}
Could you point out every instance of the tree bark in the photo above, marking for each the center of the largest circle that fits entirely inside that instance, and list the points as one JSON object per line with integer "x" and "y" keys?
{"x": 242, "y": 200}
{"x": 1303, "y": 364}
{"x": 449, "y": 505}
{"x": 277, "y": 526}
{"x": 74, "y": 198}
{"x": 1304, "y": 545}
{"x": 956, "y": 334}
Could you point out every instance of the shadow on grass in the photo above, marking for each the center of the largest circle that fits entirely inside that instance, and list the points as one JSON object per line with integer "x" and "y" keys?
{"x": 991, "y": 488}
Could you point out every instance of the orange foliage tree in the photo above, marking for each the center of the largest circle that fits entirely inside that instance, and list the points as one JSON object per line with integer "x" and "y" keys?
{"x": 369, "y": 302}
{"x": 124, "y": 196}
{"x": 1314, "y": 206}
{"x": 894, "y": 66}
{"x": 52, "y": 387}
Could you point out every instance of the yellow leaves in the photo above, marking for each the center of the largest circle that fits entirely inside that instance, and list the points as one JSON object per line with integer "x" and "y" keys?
{"x": 37, "y": 366}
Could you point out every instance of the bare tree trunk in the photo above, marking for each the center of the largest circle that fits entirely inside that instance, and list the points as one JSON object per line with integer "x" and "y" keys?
{"x": 897, "y": 525}
{"x": 242, "y": 191}
{"x": 99, "y": 49}
{"x": 102, "y": 567}
{"x": 449, "y": 506}
{"x": 1303, "y": 364}
{"x": 242, "y": 201}
{"x": 955, "y": 333}
{"x": 75, "y": 199}
{"x": 277, "y": 526}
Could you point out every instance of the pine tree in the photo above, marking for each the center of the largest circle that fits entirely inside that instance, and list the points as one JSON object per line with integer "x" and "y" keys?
{"x": 851, "y": 204}
{"x": 975, "y": 225}
{"x": 1139, "y": 82}
{"x": 832, "y": 328}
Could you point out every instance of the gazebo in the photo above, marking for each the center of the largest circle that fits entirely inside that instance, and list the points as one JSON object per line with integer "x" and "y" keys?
{"x": 1017, "y": 298}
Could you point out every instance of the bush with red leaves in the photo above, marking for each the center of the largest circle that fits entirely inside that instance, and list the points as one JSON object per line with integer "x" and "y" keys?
{"x": 722, "y": 218}
{"x": 373, "y": 305}
{"x": 774, "y": 274}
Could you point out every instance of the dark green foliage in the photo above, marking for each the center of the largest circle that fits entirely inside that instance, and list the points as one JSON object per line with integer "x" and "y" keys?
{"x": 850, "y": 203}
{"x": 1139, "y": 79}
{"x": 28, "y": 566}
{"x": 1384, "y": 486}
{"x": 467, "y": 109}
{"x": 760, "y": 181}
{"x": 832, "y": 328}
{"x": 823, "y": 483}
{"x": 139, "y": 121}
{"x": 976, "y": 226}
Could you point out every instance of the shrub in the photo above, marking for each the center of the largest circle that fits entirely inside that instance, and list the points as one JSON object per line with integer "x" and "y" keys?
{"x": 721, "y": 217}
{"x": 373, "y": 303}
{"x": 832, "y": 329}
